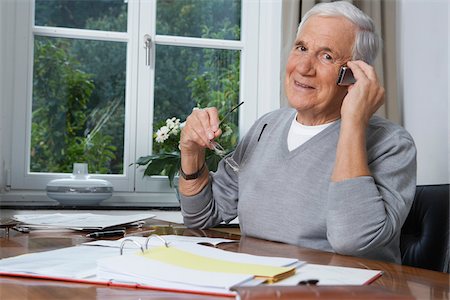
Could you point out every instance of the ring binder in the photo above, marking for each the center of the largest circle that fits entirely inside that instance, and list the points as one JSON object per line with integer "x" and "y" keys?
{"x": 146, "y": 243}
{"x": 159, "y": 237}
{"x": 129, "y": 240}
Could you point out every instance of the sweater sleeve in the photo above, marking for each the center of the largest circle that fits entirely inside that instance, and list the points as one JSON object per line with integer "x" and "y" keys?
{"x": 216, "y": 203}
{"x": 367, "y": 213}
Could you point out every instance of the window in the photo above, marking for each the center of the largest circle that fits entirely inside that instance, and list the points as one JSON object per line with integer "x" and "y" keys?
{"x": 100, "y": 75}
{"x": 78, "y": 86}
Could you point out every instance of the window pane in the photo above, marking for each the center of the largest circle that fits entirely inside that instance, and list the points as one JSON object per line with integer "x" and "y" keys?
{"x": 108, "y": 15}
{"x": 217, "y": 19}
{"x": 188, "y": 77}
{"x": 78, "y": 105}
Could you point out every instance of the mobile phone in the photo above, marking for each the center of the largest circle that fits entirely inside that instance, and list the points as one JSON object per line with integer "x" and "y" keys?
{"x": 345, "y": 77}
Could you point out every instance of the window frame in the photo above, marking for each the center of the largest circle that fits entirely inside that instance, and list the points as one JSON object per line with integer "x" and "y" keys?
{"x": 21, "y": 177}
{"x": 146, "y": 74}
{"x": 260, "y": 67}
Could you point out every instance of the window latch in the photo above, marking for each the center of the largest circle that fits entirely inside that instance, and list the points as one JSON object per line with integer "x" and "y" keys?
{"x": 148, "y": 47}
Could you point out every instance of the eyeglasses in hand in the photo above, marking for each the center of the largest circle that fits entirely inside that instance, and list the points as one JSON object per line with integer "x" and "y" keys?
{"x": 219, "y": 150}
{"x": 229, "y": 160}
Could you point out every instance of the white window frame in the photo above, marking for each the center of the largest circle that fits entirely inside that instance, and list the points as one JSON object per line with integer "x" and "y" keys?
{"x": 248, "y": 93}
{"x": 259, "y": 88}
{"x": 21, "y": 177}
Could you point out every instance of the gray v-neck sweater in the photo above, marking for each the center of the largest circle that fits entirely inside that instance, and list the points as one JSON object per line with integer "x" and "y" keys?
{"x": 288, "y": 196}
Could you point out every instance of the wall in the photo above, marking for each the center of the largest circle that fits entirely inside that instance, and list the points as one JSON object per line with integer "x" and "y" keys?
{"x": 424, "y": 65}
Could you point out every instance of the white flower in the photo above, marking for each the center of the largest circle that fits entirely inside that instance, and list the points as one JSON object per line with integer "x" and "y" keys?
{"x": 174, "y": 125}
{"x": 170, "y": 123}
{"x": 162, "y": 134}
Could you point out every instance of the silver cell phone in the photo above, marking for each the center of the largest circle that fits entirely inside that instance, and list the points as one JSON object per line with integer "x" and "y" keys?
{"x": 345, "y": 77}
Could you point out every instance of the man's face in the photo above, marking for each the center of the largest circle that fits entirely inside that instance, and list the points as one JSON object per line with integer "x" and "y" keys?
{"x": 321, "y": 48}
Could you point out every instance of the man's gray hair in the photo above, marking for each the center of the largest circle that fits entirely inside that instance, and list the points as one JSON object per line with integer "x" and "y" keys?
{"x": 367, "y": 40}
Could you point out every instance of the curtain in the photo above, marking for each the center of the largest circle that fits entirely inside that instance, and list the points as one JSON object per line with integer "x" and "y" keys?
{"x": 383, "y": 13}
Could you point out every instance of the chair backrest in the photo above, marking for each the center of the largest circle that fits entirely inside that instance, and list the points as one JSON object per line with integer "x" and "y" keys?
{"x": 424, "y": 240}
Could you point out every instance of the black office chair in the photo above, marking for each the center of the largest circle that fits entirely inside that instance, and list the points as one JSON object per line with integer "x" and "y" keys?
{"x": 424, "y": 240}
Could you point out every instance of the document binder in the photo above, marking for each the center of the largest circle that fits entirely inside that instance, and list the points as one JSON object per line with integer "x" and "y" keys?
{"x": 170, "y": 265}
{"x": 102, "y": 265}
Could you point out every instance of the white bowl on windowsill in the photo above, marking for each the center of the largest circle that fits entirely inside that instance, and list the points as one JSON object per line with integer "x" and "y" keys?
{"x": 79, "y": 189}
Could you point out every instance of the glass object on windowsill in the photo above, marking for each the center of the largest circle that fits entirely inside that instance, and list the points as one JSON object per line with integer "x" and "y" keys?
{"x": 79, "y": 189}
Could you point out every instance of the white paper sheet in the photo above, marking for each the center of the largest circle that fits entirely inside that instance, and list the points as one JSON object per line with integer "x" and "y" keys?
{"x": 331, "y": 275}
{"x": 79, "y": 221}
{"x": 73, "y": 262}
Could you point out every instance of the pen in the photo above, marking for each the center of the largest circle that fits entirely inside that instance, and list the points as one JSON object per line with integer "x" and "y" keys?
{"x": 21, "y": 229}
{"x": 105, "y": 233}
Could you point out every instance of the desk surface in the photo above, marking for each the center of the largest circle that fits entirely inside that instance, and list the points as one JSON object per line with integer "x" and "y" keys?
{"x": 397, "y": 282}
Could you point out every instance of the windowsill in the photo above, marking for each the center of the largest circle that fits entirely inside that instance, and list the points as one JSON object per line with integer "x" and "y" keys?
{"x": 120, "y": 200}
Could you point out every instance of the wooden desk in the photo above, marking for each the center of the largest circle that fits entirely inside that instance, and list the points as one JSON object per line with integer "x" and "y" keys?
{"x": 398, "y": 282}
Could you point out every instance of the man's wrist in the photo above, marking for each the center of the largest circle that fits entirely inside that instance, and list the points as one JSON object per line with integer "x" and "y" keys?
{"x": 194, "y": 175}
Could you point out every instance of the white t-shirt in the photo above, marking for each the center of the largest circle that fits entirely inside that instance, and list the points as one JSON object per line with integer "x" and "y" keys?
{"x": 299, "y": 133}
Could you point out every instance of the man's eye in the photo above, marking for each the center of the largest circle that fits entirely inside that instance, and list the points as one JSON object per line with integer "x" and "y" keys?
{"x": 301, "y": 48}
{"x": 327, "y": 56}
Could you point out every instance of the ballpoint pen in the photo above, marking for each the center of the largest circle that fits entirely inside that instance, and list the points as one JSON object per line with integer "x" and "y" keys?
{"x": 106, "y": 233}
{"x": 21, "y": 229}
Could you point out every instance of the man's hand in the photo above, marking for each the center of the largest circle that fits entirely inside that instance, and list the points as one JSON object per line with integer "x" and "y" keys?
{"x": 202, "y": 126}
{"x": 364, "y": 97}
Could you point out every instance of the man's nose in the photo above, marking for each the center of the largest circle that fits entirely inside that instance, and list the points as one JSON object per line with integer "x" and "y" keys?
{"x": 306, "y": 65}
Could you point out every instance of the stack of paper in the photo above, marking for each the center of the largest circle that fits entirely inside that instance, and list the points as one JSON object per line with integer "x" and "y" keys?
{"x": 81, "y": 221}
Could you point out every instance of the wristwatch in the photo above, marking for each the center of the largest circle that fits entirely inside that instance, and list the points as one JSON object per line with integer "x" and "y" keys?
{"x": 193, "y": 176}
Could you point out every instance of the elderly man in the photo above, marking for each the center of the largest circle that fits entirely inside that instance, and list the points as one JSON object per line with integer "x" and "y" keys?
{"x": 324, "y": 174}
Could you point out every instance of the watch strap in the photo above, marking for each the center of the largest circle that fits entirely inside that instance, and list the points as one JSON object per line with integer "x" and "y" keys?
{"x": 193, "y": 176}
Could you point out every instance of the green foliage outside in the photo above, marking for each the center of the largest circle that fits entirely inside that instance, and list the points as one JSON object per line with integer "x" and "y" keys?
{"x": 60, "y": 112}
{"x": 99, "y": 138}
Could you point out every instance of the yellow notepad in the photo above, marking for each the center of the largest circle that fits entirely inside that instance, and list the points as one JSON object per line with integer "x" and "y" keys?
{"x": 188, "y": 260}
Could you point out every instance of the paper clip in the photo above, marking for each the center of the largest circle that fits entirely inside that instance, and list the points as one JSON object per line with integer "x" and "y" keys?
{"x": 129, "y": 240}
{"x": 163, "y": 240}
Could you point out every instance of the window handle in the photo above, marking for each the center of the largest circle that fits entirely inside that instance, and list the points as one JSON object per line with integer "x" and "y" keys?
{"x": 148, "y": 47}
